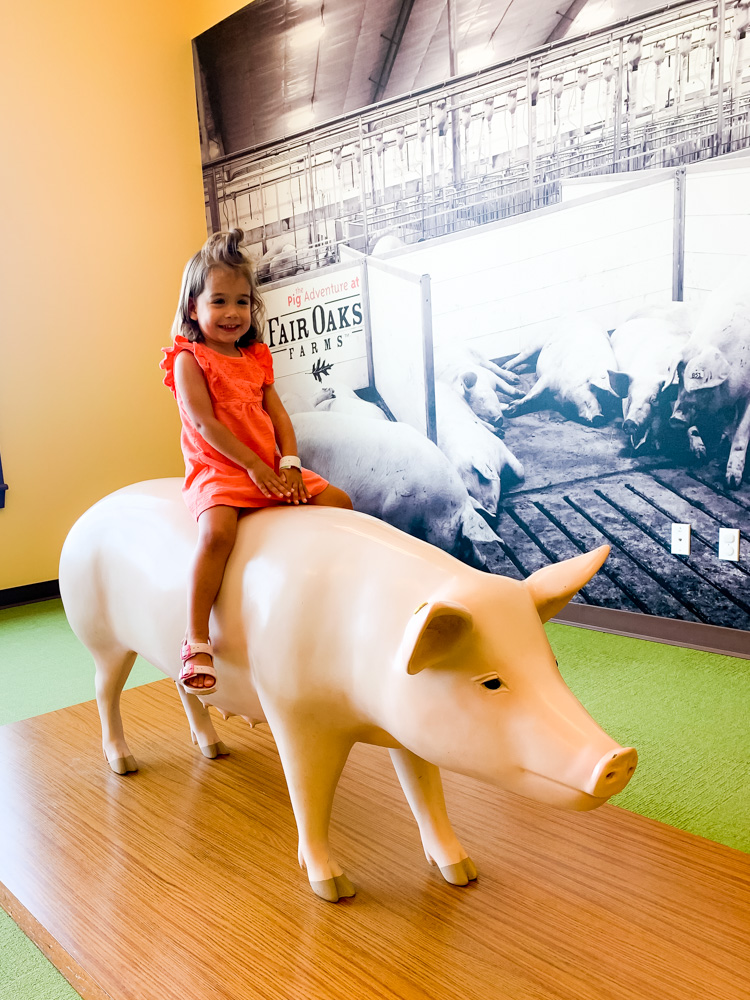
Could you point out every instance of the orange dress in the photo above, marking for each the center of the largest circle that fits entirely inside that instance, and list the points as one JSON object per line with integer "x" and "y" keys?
{"x": 236, "y": 389}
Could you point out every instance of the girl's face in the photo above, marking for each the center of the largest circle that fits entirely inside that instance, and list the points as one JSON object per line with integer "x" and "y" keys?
{"x": 222, "y": 310}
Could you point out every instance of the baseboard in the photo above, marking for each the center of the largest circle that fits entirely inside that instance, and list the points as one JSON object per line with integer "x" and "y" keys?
{"x": 672, "y": 631}
{"x": 30, "y": 594}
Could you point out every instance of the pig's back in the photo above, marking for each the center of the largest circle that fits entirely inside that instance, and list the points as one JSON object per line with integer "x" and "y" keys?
{"x": 578, "y": 349}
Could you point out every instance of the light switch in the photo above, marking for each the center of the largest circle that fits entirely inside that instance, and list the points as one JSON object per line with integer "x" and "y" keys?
{"x": 729, "y": 543}
{"x": 681, "y": 539}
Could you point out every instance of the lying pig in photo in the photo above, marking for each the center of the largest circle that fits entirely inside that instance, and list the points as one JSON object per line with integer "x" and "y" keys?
{"x": 572, "y": 373}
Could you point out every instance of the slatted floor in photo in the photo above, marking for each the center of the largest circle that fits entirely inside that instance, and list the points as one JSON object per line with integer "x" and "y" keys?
{"x": 633, "y": 512}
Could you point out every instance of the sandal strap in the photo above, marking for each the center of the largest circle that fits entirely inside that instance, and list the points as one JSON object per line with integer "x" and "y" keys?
{"x": 190, "y": 670}
{"x": 190, "y": 649}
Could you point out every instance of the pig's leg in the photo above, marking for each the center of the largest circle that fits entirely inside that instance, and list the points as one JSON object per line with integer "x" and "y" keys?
{"x": 738, "y": 452}
{"x": 535, "y": 399}
{"x": 201, "y": 727}
{"x": 112, "y": 669}
{"x": 423, "y": 789}
{"x": 505, "y": 374}
{"x": 504, "y": 385}
{"x": 520, "y": 359}
{"x": 695, "y": 443}
{"x": 313, "y": 760}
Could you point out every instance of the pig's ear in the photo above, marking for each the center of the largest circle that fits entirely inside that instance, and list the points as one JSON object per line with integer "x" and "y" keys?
{"x": 707, "y": 369}
{"x": 552, "y": 587}
{"x": 620, "y": 383}
{"x": 602, "y": 382}
{"x": 433, "y": 632}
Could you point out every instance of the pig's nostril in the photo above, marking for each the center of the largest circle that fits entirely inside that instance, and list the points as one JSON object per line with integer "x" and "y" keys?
{"x": 610, "y": 776}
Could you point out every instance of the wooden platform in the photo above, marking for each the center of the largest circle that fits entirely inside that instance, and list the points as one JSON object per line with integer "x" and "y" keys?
{"x": 181, "y": 882}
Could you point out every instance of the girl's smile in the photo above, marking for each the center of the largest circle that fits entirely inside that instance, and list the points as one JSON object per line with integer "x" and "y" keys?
{"x": 222, "y": 310}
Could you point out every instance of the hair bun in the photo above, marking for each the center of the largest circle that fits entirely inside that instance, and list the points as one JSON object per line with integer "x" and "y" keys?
{"x": 234, "y": 240}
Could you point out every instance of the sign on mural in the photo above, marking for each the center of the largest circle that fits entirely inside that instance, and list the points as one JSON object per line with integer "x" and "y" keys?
{"x": 316, "y": 327}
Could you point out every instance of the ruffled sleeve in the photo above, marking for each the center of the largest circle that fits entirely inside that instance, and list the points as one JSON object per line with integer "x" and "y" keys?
{"x": 263, "y": 357}
{"x": 167, "y": 362}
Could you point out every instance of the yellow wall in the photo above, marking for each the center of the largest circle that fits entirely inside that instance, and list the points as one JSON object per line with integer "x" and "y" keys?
{"x": 102, "y": 203}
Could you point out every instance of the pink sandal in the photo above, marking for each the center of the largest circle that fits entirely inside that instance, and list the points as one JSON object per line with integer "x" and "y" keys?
{"x": 188, "y": 650}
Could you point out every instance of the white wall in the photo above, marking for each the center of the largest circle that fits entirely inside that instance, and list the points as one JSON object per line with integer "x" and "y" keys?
{"x": 501, "y": 287}
{"x": 717, "y": 230}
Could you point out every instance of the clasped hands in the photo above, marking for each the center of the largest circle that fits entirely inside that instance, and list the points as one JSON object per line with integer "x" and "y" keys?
{"x": 288, "y": 485}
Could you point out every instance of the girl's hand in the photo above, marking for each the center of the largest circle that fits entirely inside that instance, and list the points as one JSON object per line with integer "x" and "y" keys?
{"x": 269, "y": 484}
{"x": 294, "y": 481}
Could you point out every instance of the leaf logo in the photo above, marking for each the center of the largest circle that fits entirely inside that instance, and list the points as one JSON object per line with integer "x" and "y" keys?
{"x": 321, "y": 368}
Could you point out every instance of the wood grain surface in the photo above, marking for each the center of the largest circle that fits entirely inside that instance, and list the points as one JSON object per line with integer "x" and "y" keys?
{"x": 181, "y": 882}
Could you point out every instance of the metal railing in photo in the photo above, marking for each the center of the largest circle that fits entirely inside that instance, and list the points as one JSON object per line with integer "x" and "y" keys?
{"x": 668, "y": 88}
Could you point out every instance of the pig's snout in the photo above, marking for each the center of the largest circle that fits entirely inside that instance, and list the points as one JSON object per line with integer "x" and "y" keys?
{"x": 629, "y": 427}
{"x": 678, "y": 420}
{"x": 612, "y": 773}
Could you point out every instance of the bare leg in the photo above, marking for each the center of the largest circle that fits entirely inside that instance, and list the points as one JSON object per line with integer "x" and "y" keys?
{"x": 217, "y": 530}
{"x": 332, "y": 497}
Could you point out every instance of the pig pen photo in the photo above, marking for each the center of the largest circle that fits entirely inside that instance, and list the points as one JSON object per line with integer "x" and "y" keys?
{"x": 603, "y": 412}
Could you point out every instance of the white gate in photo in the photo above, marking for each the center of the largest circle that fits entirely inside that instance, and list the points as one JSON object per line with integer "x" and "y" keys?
{"x": 401, "y": 339}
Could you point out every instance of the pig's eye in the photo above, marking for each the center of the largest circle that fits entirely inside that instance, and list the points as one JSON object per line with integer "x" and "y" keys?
{"x": 490, "y": 681}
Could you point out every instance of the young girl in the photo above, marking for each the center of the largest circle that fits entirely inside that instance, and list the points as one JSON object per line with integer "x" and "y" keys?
{"x": 237, "y": 438}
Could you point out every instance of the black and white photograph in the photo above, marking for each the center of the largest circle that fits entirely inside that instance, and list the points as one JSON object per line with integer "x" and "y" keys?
{"x": 508, "y": 298}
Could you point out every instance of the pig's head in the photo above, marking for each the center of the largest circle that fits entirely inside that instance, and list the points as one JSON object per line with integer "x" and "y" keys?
{"x": 593, "y": 400}
{"x": 477, "y": 690}
{"x": 699, "y": 378}
{"x": 483, "y": 484}
{"x": 479, "y": 392}
{"x": 641, "y": 401}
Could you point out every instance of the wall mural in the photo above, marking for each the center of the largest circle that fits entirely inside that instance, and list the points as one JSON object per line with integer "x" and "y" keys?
{"x": 521, "y": 391}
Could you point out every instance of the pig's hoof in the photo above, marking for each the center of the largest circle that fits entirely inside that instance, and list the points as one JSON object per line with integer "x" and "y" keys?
{"x": 333, "y": 889}
{"x": 214, "y": 750}
{"x": 461, "y": 873}
{"x": 123, "y": 765}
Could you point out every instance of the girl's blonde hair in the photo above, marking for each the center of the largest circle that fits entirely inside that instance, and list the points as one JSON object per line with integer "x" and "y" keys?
{"x": 220, "y": 250}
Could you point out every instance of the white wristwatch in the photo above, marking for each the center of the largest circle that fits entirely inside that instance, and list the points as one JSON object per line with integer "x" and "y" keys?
{"x": 290, "y": 462}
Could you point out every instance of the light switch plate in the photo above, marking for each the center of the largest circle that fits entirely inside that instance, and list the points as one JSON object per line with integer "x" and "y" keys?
{"x": 681, "y": 539}
{"x": 729, "y": 544}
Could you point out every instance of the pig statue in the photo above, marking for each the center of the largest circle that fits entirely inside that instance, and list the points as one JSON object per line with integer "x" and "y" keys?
{"x": 573, "y": 373}
{"x": 336, "y": 628}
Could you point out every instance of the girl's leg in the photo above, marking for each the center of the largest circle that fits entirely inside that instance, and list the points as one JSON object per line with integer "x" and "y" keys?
{"x": 217, "y": 530}
{"x": 332, "y": 497}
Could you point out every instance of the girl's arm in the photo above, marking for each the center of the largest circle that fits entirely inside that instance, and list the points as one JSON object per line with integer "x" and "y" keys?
{"x": 286, "y": 440}
{"x": 191, "y": 385}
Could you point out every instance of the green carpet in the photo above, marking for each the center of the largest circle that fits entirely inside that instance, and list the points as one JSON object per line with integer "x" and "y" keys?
{"x": 687, "y": 713}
